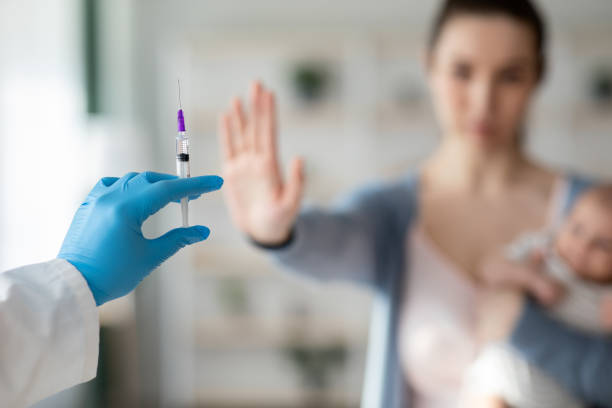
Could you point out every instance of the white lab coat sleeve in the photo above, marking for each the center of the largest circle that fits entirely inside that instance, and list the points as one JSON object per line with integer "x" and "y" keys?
{"x": 48, "y": 332}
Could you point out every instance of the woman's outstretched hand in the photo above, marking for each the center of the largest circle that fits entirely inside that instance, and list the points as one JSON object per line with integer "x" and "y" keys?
{"x": 261, "y": 203}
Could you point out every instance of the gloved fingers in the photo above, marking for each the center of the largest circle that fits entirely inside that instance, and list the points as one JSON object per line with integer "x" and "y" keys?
{"x": 161, "y": 193}
{"x": 124, "y": 179}
{"x": 101, "y": 186}
{"x": 108, "y": 181}
{"x": 150, "y": 177}
{"x": 154, "y": 177}
{"x": 191, "y": 197}
{"x": 146, "y": 178}
{"x": 173, "y": 240}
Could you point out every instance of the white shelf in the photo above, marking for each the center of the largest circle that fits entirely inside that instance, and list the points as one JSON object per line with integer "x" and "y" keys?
{"x": 253, "y": 333}
{"x": 278, "y": 399}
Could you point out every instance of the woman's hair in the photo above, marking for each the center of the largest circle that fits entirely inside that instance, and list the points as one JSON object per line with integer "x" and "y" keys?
{"x": 523, "y": 11}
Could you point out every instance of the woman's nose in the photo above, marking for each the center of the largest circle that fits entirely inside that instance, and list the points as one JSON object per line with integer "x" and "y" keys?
{"x": 483, "y": 98}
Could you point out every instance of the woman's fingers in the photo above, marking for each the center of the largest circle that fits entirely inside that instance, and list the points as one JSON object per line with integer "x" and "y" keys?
{"x": 239, "y": 125}
{"x": 233, "y": 128}
{"x": 241, "y": 121}
{"x": 255, "y": 131}
{"x": 255, "y": 116}
{"x": 238, "y": 135}
{"x": 227, "y": 144}
{"x": 268, "y": 139}
{"x": 529, "y": 277}
{"x": 294, "y": 186}
{"x": 546, "y": 290}
{"x": 498, "y": 272}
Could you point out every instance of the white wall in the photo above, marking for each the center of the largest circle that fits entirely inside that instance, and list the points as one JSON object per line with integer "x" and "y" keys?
{"x": 41, "y": 100}
{"x": 216, "y": 47}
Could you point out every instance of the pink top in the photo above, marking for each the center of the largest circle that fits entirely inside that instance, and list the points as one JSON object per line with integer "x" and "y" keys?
{"x": 437, "y": 333}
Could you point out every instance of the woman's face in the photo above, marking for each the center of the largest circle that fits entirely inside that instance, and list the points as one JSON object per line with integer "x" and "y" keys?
{"x": 483, "y": 71}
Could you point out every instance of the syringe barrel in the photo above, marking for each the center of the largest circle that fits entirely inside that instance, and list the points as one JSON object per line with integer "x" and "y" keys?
{"x": 182, "y": 155}
{"x": 182, "y": 168}
{"x": 182, "y": 144}
{"x": 182, "y": 162}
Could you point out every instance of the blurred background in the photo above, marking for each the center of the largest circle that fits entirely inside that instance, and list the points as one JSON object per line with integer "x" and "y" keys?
{"x": 88, "y": 88}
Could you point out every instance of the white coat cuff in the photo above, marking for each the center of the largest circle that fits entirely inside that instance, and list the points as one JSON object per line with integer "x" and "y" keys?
{"x": 86, "y": 305}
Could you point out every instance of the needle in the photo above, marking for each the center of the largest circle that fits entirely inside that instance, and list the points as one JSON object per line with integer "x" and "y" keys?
{"x": 179, "y": 93}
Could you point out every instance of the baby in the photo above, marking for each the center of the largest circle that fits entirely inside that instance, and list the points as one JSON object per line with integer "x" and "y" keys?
{"x": 579, "y": 256}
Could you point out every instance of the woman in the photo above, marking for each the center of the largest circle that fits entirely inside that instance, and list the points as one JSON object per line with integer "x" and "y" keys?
{"x": 421, "y": 241}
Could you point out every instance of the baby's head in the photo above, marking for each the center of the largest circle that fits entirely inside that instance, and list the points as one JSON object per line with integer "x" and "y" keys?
{"x": 585, "y": 239}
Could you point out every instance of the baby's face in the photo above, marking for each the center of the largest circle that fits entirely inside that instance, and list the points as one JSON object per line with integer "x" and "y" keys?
{"x": 585, "y": 241}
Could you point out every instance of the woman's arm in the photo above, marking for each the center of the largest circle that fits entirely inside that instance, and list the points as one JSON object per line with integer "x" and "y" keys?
{"x": 264, "y": 205}
{"x": 580, "y": 362}
{"x": 346, "y": 241}
{"x": 330, "y": 245}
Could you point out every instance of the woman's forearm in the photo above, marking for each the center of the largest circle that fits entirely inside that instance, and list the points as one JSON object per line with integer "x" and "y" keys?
{"x": 580, "y": 362}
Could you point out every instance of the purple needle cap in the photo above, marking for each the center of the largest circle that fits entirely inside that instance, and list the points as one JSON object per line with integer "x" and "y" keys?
{"x": 181, "y": 121}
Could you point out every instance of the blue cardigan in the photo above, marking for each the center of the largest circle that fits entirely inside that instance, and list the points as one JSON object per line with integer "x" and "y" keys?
{"x": 363, "y": 239}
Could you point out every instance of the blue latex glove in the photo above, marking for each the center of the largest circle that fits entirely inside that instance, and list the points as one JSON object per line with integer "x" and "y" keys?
{"x": 105, "y": 241}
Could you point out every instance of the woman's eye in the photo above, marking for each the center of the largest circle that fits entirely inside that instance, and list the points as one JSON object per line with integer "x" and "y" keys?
{"x": 462, "y": 72}
{"x": 511, "y": 77}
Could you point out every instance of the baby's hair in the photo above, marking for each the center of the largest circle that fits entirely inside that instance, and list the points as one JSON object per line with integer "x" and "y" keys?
{"x": 601, "y": 194}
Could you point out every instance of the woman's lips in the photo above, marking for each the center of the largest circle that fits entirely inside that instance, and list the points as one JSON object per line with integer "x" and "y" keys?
{"x": 482, "y": 130}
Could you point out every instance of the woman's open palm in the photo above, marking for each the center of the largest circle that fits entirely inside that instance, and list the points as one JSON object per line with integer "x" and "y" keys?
{"x": 261, "y": 203}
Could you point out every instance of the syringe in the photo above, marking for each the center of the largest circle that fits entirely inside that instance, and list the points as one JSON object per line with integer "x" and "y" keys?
{"x": 182, "y": 157}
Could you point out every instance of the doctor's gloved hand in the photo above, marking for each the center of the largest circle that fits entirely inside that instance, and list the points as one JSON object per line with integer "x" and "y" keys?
{"x": 105, "y": 241}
